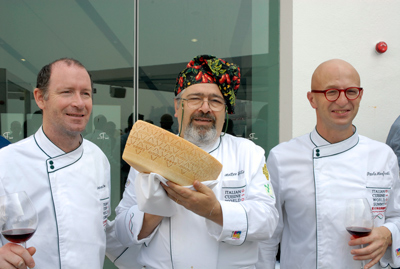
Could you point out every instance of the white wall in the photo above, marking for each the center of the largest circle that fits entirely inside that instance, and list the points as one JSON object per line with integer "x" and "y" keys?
{"x": 318, "y": 30}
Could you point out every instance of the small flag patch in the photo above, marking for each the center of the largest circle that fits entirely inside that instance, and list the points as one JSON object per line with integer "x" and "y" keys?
{"x": 236, "y": 234}
{"x": 398, "y": 252}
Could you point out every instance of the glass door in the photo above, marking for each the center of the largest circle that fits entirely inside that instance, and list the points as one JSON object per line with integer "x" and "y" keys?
{"x": 100, "y": 34}
{"x": 171, "y": 33}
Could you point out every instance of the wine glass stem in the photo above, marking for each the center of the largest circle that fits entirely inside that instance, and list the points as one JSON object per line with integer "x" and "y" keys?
{"x": 23, "y": 244}
{"x": 362, "y": 261}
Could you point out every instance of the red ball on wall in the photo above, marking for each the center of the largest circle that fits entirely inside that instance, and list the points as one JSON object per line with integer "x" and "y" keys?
{"x": 381, "y": 47}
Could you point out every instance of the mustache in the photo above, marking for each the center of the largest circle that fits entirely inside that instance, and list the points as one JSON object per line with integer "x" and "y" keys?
{"x": 202, "y": 115}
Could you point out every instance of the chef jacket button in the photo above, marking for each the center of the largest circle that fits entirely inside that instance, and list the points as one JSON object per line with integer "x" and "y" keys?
{"x": 317, "y": 150}
{"x": 52, "y": 166}
{"x": 317, "y": 154}
{"x": 51, "y": 162}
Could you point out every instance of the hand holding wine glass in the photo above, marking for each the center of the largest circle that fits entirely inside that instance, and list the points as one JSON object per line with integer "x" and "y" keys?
{"x": 359, "y": 220}
{"x": 18, "y": 218}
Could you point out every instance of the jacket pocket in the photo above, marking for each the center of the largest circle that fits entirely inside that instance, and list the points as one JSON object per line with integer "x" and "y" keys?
{"x": 104, "y": 197}
{"x": 379, "y": 189}
{"x": 234, "y": 190}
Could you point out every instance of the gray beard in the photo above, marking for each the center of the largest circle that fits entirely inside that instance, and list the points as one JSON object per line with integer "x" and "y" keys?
{"x": 196, "y": 136}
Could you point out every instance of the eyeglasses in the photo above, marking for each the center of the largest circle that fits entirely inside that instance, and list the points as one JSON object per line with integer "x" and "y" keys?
{"x": 333, "y": 94}
{"x": 215, "y": 104}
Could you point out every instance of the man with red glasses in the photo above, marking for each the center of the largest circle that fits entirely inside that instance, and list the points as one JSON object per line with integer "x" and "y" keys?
{"x": 313, "y": 175}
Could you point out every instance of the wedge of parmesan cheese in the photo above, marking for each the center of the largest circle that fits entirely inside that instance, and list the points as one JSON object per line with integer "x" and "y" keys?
{"x": 150, "y": 148}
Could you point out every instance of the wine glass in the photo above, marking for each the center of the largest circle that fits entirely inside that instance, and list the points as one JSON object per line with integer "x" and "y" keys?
{"x": 18, "y": 218}
{"x": 359, "y": 220}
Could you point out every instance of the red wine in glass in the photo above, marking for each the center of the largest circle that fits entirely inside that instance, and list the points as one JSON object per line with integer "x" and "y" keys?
{"x": 18, "y": 217}
{"x": 359, "y": 231}
{"x": 18, "y": 235}
{"x": 359, "y": 219}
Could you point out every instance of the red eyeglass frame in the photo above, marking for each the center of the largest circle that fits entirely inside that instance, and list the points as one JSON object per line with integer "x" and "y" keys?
{"x": 340, "y": 91}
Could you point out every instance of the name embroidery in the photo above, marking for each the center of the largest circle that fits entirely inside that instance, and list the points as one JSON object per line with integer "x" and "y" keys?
{"x": 383, "y": 173}
{"x": 235, "y": 174}
{"x": 101, "y": 187}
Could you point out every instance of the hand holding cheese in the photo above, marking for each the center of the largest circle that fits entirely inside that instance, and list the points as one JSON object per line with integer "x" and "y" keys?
{"x": 201, "y": 202}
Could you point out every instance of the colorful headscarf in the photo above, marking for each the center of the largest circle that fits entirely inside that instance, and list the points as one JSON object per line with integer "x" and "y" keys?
{"x": 209, "y": 69}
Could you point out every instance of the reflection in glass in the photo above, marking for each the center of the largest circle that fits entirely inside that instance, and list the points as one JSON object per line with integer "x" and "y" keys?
{"x": 248, "y": 40}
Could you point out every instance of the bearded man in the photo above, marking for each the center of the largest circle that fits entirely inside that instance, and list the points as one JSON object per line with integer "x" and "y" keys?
{"x": 209, "y": 228}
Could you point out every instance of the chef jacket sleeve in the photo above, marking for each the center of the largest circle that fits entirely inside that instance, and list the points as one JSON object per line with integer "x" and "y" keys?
{"x": 392, "y": 221}
{"x": 269, "y": 248}
{"x": 393, "y": 139}
{"x": 121, "y": 256}
{"x": 2, "y": 192}
{"x": 129, "y": 218}
{"x": 256, "y": 217}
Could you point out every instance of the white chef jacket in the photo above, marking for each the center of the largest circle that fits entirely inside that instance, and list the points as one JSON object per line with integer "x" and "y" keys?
{"x": 312, "y": 180}
{"x": 71, "y": 193}
{"x": 187, "y": 240}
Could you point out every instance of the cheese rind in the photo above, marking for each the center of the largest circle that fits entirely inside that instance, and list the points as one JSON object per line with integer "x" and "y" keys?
{"x": 151, "y": 149}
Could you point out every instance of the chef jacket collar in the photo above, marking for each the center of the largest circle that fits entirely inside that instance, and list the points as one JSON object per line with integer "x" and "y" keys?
{"x": 50, "y": 149}
{"x": 324, "y": 148}
{"x": 212, "y": 147}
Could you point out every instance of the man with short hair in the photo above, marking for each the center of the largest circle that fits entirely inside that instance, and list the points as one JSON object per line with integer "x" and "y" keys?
{"x": 66, "y": 177}
{"x": 166, "y": 122}
{"x": 209, "y": 229}
{"x": 313, "y": 175}
{"x": 16, "y": 132}
{"x": 99, "y": 135}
